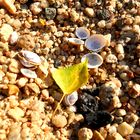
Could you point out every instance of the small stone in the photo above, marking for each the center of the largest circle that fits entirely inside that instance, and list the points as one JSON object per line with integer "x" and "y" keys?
{"x": 59, "y": 120}
{"x": 34, "y": 88}
{"x": 101, "y": 24}
{"x": 111, "y": 58}
{"x": 35, "y": 8}
{"x": 22, "y": 82}
{"x": 50, "y": 13}
{"x": 16, "y": 24}
{"x": 85, "y": 134}
{"x": 16, "y": 113}
{"x": 108, "y": 39}
{"x": 5, "y": 32}
{"x": 135, "y": 91}
{"x": 97, "y": 136}
{"x": 14, "y": 66}
{"x": 26, "y": 42}
{"x": 114, "y": 136}
{"x": 13, "y": 38}
{"x": 120, "y": 112}
{"x": 13, "y": 90}
{"x": 89, "y": 12}
{"x": 90, "y": 3}
{"x": 119, "y": 48}
{"x": 125, "y": 129}
{"x": 103, "y": 14}
{"x": 74, "y": 15}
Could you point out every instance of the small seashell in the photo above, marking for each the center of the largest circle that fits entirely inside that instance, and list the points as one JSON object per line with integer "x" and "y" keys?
{"x": 13, "y": 38}
{"x": 29, "y": 59}
{"x": 75, "y": 41}
{"x": 94, "y": 60}
{"x": 71, "y": 98}
{"x": 95, "y": 42}
{"x": 82, "y": 33}
{"x": 28, "y": 73}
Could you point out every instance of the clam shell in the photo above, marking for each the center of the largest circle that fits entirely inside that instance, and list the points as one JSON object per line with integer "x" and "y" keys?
{"x": 95, "y": 42}
{"x": 82, "y": 33}
{"x": 26, "y": 63}
{"x": 71, "y": 98}
{"x": 28, "y": 73}
{"x": 31, "y": 57}
{"x": 94, "y": 60}
{"x": 75, "y": 41}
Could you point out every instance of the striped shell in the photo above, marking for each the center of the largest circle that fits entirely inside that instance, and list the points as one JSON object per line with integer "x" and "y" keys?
{"x": 95, "y": 42}
{"x": 71, "y": 98}
{"x": 82, "y": 33}
{"x": 94, "y": 60}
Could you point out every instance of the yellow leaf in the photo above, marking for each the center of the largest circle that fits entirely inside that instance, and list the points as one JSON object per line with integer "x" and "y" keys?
{"x": 69, "y": 79}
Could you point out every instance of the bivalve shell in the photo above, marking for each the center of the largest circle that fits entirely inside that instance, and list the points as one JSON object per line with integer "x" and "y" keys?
{"x": 71, "y": 98}
{"x": 75, "y": 41}
{"x": 29, "y": 59}
{"x": 28, "y": 73}
{"x": 82, "y": 33}
{"x": 95, "y": 42}
{"x": 94, "y": 60}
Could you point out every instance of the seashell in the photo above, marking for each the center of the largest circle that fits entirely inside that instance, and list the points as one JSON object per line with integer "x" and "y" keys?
{"x": 94, "y": 60}
{"x": 82, "y": 33}
{"x": 28, "y": 73}
{"x": 29, "y": 59}
{"x": 95, "y": 42}
{"x": 75, "y": 41}
{"x": 71, "y": 98}
{"x": 13, "y": 38}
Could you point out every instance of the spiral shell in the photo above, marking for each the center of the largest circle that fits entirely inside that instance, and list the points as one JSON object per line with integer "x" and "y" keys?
{"x": 71, "y": 98}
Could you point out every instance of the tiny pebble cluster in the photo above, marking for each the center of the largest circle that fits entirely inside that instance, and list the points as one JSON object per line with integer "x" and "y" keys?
{"x": 39, "y": 35}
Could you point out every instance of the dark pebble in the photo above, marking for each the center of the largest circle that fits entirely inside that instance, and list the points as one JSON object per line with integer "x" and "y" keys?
{"x": 103, "y": 14}
{"x": 50, "y": 13}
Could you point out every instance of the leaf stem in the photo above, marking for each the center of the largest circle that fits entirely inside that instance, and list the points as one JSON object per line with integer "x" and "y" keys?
{"x": 58, "y": 104}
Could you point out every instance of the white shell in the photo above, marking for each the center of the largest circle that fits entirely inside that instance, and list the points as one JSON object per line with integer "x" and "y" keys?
{"x": 29, "y": 59}
{"x": 75, "y": 41}
{"x": 82, "y": 33}
{"x": 71, "y": 98}
{"x": 28, "y": 73}
{"x": 13, "y": 38}
{"x": 95, "y": 42}
{"x": 94, "y": 60}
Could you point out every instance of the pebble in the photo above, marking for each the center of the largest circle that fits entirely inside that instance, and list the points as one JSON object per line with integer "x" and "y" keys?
{"x": 85, "y": 134}
{"x": 115, "y": 136}
{"x": 22, "y": 82}
{"x": 26, "y": 42}
{"x": 97, "y": 135}
{"x": 111, "y": 58}
{"x": 12, "y": 90}
{"x": 125, "y": 129}
{"x": 16, "y": 24}
{"x": 120, "y": 112}
{"x": 101, "y": 24}
{"x": 119, "y": 48}
{"x": 35, "y": 8}
{"x": 59, "y": 121}
{"x": 5, "y": 32}
{"x": 134, "y": 91}
{"x": 74, "y": 15}
{"x": 89, "y": 12}
{"x": 16, "y": 113}
{"x": 50, "y": 13}
{"x": 13, "y": 38}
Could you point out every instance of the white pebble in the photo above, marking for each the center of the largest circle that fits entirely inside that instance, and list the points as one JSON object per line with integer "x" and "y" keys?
{"x": 13, "y": 38}
{"x": 111, "y": 58}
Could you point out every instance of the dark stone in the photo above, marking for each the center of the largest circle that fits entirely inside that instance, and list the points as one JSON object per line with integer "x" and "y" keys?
{"x": 50, "y": 13}
{"x": 103, "y": 14}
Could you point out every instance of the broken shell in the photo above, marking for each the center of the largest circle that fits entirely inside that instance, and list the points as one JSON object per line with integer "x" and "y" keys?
{"x": 82, "y": 33}
{"x": 94, "y": 60}
{"x": 28, "y": 73}
{"x": 75, "y": 41}
{"x": 95, "y": 42}
{"x": 29, "y": 59}
{"x": 13, "y": 38}
{"x": 71, "y": 98}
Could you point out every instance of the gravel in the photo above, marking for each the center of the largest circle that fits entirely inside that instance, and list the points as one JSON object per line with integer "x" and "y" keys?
{"x": 107, "y": 107}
